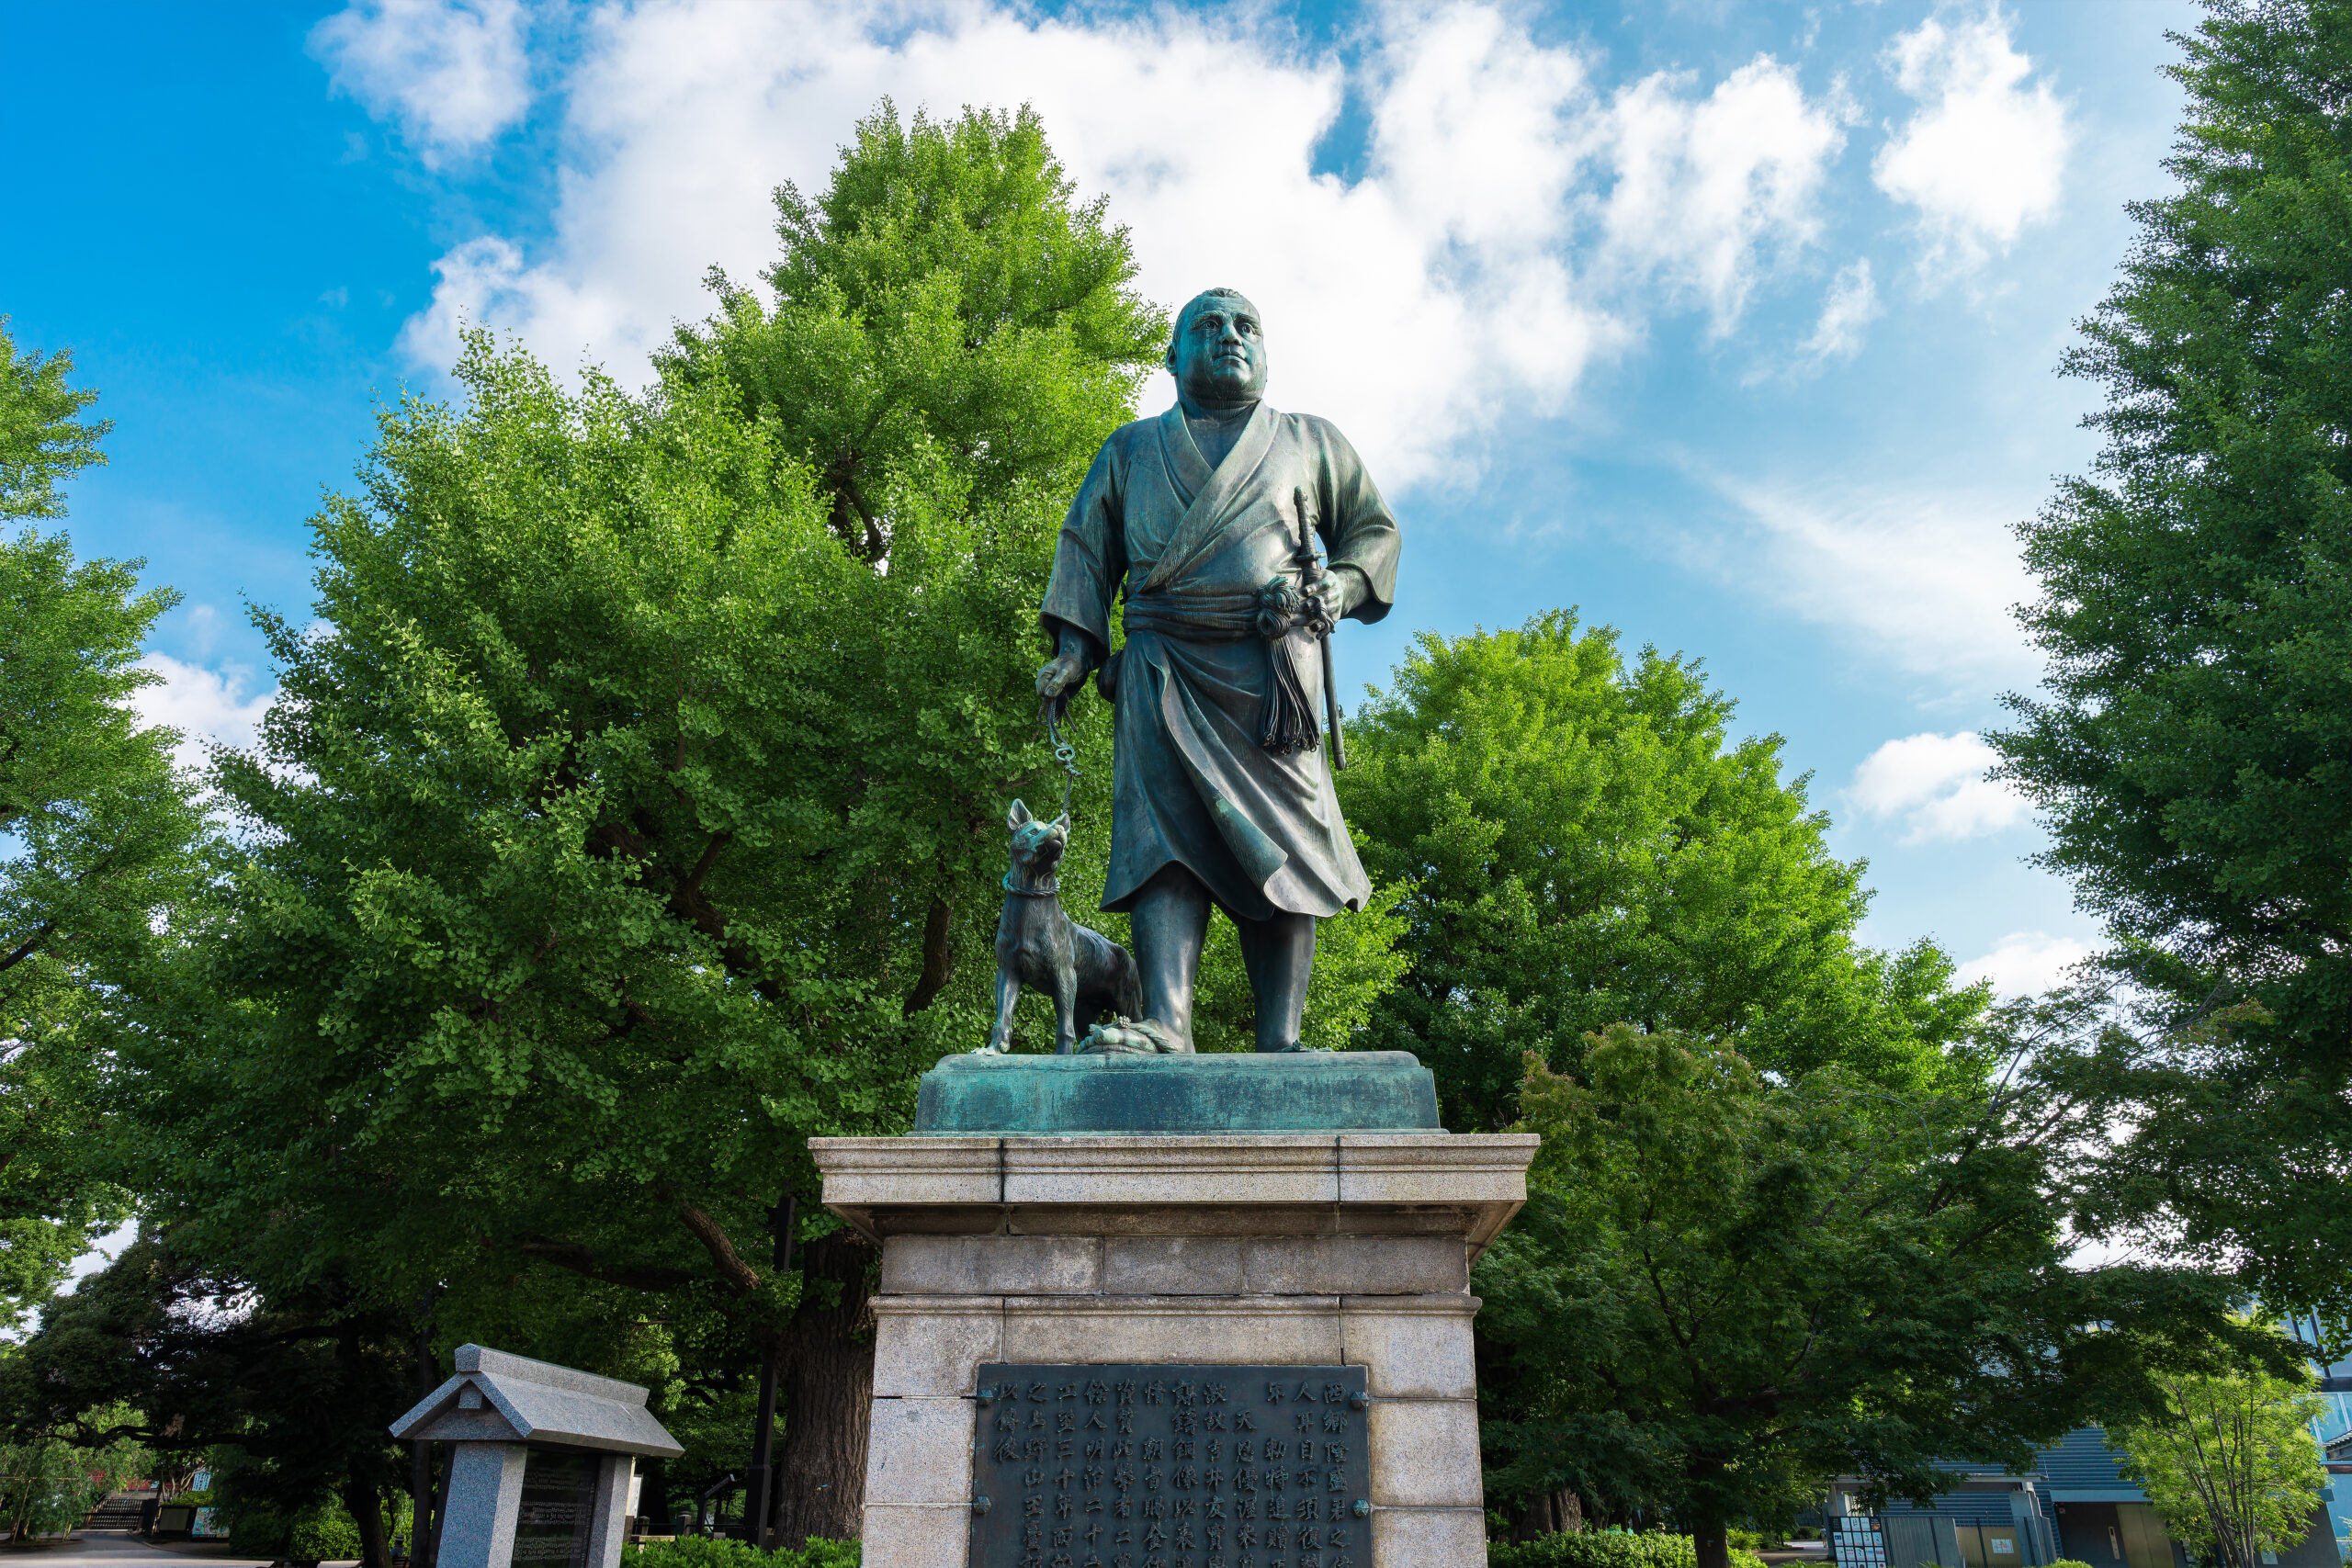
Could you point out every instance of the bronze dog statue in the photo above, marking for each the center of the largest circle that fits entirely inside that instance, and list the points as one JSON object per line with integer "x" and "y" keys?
{"x": 1039, "y": 946}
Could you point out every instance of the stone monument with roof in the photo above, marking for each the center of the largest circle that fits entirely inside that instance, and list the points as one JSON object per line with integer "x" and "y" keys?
{"x": 545, "y": 1461}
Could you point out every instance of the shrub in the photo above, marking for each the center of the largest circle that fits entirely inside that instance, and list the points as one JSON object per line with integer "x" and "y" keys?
{"x": 1605, "y": 1549}
{"x": 702, "y": 1552}
{"x": 257, "y": 1532}
{"x": 322, "y": 1533}
{"x": 2067, "y": 1563}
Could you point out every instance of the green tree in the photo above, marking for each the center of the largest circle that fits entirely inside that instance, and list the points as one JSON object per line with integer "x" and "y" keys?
{"x": 946, "y": 300}
{"x": 1581, "y": 844}
{"x": 952, "y": 337}
{"x": 101, "y": 833}
{"x": 2192, "y": 750}
{"x": 43, "y": 439}
{"x": 1728, "y": 1286}
{"x": 556, "y": 935}
{"x": 141, "y": 1353}
{"x": 2230, "y": 1462}
{"x": 50, "y": 1481}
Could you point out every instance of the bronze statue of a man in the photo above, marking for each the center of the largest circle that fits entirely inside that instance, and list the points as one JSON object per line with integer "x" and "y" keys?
{"x": 1196, "y": 517}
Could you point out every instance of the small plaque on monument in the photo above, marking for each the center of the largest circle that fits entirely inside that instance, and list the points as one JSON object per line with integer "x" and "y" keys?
{"x": 1171, "y": 1467}
{"x": 559, "y": 1502}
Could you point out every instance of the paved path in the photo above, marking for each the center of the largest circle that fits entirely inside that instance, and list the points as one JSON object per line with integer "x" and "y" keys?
{"x": 119, "y": 1549}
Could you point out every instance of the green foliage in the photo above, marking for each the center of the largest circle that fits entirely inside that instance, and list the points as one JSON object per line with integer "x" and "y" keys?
{"x": 101, "y": 837}
{"x": 259, "y": 1532}
{"x": 1605, "y": 1549}
{"x": 50, "y": 1477}
{"x": 1727, "y": 1287}
{"x": 290, "y": 1397}
{"x": 2067, "y": 1562}
{"x": 324, "y": 1531}
{"x": 945, "y": 302}
{"x": 1583, "y": 845}
{"x": 704, "y": 1552}
{"x": 2230, "y": 1462}
{"x": 2193, "y": 753}
{"x": 41, "y": 442}
{"x": 531, "y": 945}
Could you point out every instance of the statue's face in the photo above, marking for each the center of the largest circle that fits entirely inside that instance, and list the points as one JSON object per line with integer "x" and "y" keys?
{"x": 1219, "y": 353}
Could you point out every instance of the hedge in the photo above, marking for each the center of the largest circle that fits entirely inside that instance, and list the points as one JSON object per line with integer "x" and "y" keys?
{"x": 707, "y": 1552}
{"x": 324, "y": 1532}
{"x": 1605, "y": 1548}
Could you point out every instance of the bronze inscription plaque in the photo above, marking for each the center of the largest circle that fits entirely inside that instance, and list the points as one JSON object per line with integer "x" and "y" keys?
{"x": 1171, "y": 1467}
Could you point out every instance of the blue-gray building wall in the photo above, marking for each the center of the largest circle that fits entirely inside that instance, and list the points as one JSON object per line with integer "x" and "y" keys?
{"x": 2076, "y": 1504}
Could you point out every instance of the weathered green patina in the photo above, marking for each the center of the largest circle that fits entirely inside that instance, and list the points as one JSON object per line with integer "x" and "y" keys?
{"x": 1344, "y": 1091}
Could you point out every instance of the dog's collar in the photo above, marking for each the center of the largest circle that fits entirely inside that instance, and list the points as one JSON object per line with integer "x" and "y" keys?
{"x": 1051, "y": 890}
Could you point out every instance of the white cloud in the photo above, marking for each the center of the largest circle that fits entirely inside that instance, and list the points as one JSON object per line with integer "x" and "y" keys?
{"x": 1706, "y": 186}
{"x": 1847, "y": 311}
{"x": 1984, "y": 152}
{"x": 1514, "y": 222}
{"x": 453, "y": 72}
{"x": 2025, "y": 962}
{"x": 1922, "y": 576}
{"x": 202, "y": 704}
{"x": 1936, "y": 784}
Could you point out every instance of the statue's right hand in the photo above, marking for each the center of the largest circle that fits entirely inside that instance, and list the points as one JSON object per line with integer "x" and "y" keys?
{"x": 1060, "y": 677}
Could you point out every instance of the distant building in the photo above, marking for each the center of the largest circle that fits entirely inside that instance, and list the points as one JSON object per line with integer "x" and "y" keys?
{"x": 2075, "y": 1503}
{"x": 2333, "y": 1431}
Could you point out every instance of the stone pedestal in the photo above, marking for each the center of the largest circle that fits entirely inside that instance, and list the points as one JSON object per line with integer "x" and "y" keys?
{"x": 1279, "y": 1249}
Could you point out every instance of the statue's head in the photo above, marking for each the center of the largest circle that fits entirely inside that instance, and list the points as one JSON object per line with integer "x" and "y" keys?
{"x": 1219, "y": 352}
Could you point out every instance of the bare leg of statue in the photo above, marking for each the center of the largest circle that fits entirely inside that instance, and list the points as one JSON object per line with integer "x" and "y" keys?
{"x": 1171, "y": 921}
{"x": 1279, "y": 953}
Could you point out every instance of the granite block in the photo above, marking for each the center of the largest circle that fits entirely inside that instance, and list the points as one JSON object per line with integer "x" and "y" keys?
{"x": 1425, "y": 1453}
{"x": 920, "y": 1451}
{"x": 927, "y": 1347}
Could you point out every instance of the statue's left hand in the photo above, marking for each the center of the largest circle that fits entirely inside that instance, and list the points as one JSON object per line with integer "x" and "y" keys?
{"x": 1342, "y": 590}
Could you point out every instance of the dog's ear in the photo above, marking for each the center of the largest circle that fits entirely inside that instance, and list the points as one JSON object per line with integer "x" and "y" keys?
{"x": 1018, "y": 818}
{"x": 1061, "y": 824}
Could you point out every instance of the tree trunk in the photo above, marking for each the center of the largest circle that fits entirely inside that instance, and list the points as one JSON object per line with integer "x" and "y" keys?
{"x": 1547, "y": 1512}
{"x": 367, "y": 1511}
{"x": 938, "y": 956}
{"x": 830, "y": 1400}
{"x": 440, "y": 1500}
{"x": 421, "y": 1537}
{"x": 653, "y": 1494}
{"x": 1714, "y": 1551}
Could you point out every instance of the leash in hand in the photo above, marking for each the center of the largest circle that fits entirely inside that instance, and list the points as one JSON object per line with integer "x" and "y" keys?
{"x": 1064, "y": 752}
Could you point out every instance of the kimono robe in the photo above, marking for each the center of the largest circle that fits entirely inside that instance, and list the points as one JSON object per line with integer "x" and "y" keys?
{"x": 1189, "y": 547}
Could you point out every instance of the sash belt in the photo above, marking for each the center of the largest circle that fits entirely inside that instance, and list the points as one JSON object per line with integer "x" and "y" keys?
{"x": 1204, "y": 618}
{"x": 1286, "y": 724}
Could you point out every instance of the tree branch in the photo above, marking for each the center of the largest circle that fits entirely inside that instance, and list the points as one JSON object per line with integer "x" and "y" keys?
{"x": 579, "y": 1260}
{"x": 722, "y": 1251}
{"x": 938, "y": 957}
{"x": 28, "y": 947}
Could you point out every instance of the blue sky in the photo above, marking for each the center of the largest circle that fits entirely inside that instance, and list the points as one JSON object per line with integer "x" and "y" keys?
{"x": 1734, "y": 325}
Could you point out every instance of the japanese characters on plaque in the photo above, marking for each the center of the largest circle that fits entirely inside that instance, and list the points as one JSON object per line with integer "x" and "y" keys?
{"x": 1171, "y": 1467}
